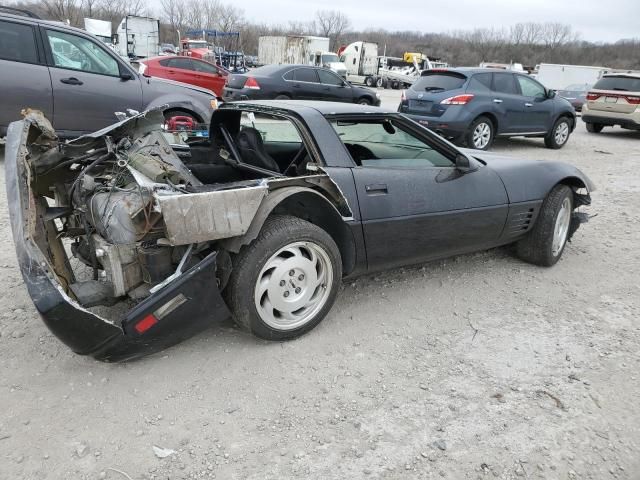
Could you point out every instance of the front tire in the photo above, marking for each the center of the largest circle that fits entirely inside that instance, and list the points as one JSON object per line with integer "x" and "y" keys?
{"x": 594, "y": 127}
{"x": 369, "y": 81}
{"x": 546, "y": 241}
{"x": 480, "y": 134}
{"x": 364, "y": 101}
{"x": 559, "y": 134}
{"x": 285, "y": 282}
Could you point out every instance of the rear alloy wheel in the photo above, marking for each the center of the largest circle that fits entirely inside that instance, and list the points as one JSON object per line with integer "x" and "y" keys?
{"x": 546, "y": 241}
{"x": 283, "y": 97}
{"x": 286, "y": 281}
{"x": 559, "y": 134}
{"x": 364, "y": 101}
{"x": 594, "y": 127}
{"x": 480, "y": 134}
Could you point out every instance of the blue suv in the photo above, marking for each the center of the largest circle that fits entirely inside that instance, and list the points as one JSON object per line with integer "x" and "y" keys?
{"x": 474, "y": 105}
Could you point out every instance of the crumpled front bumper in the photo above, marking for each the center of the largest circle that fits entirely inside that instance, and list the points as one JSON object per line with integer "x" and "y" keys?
{"x": 182, "y": 308}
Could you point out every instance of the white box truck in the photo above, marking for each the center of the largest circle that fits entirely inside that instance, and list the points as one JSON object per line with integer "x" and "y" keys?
{"x": 99, "y": 28}
{"x": 361, "y": 61}
{"x": 299, "y": 49}
{"x": 138, "y": 37}
{"x": 559, "y": 77}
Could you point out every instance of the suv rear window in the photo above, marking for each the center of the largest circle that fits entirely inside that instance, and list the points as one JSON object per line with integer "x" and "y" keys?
{"x": 17, "y": 43}
{"x": 439, "y": 82}
{"x": 625, "y": 84}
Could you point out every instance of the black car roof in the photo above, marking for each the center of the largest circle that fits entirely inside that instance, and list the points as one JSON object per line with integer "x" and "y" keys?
{"x": 468, "y": 70}
{"x": 300, "y": 106}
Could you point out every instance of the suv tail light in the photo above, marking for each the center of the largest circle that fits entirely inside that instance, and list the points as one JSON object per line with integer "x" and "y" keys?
{"x": 403, "y": 96}
{"x": 252, "y": 83}
{"x": 593, "y": 96}
{"x": 633, "y": 100}
{"x": 458, "y": 99}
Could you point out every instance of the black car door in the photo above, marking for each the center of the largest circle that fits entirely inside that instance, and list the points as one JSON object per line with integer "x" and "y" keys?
{"x": 415, "y": 205}
{"x": 306, "y": 85}
{"x": 508, "y": 104}
{"x": 334, "y": 88}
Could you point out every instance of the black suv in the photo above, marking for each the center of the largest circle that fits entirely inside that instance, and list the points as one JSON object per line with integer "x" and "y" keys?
{"x": 474, "y": 105}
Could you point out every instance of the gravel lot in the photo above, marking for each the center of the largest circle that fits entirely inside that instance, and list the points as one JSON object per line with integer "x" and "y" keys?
{"x": 480, "y": 366}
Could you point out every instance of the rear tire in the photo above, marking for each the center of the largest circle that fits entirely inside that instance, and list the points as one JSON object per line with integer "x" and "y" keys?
{"x": 264, "y": 296}
{"x": 558, "y": 136}
{"x": 480, "y": 134}
{"x": 364, "y": 101}
{"x": 283, "y": 97}
{"x": 594, "y": 127}
{"x": 546, "y": 241}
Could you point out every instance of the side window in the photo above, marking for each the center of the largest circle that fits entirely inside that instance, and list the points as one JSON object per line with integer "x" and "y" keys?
{"x": 306, "y": 75}
{"x": 289, "y": 75}
{"x": 329, "y": 78}
{"x": 530, "y": 88}
{"x": 480, "y": 82}
{"x": 181, "y": 63}
{"x": 17, "y": 43}
{"x": 388, "y": 144}
{"x": 165, "y": 63}
{"x": 204, "y": 67}
{"x": 504, "y": 83}
{"x": 79, "y": 53}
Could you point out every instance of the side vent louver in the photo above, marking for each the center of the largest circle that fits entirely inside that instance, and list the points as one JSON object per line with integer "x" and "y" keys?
{"x": 520, "y": 220}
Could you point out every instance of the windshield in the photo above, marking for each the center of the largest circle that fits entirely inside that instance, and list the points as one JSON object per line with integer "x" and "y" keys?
{"x": 330, "y": 58}
{"x": 439, "y": 82}
{"x": 198, "y": 45}
{"x": 625, "y": 84}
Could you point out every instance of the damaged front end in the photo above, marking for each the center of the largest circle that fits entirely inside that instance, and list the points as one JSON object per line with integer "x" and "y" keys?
{"x": 91, "y": 243}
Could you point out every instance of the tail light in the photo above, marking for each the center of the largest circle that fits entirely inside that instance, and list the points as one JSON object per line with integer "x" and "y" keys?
{"x": 146, "y": 323}
{"x": 633, "y": 100}
{"x": 593, "y": 96}
{"x": 458, "y": 99}
{"x": 403, "y": 96}
{"x": 252, "y": 83}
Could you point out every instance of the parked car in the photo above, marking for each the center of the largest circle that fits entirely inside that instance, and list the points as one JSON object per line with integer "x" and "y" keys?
{"x": 261, "y": 221}
{"x": 79, "y": 82}
{"x": 297, "y": 82}
{"x": 576, "y": 94}
{"x": 168, "y": 49}
{"x": 186, "y": 70}
{"x": 613, "y": 100}
{"x": 473, "y": 106}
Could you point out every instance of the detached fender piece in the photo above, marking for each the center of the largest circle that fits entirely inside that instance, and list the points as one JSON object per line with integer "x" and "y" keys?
{"x": 182, "y": 308}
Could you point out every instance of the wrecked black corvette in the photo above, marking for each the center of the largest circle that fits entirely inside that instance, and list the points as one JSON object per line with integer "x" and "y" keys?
{"x": 128, "y": 244}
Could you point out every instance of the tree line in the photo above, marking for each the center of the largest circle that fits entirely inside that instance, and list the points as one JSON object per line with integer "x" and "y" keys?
{"x": 528, "y": 43}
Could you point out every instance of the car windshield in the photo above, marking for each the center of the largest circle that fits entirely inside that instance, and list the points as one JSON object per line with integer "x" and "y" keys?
{"x": 625, "y": 84}
{"x": 439, "y": 82}
{"x": 329, "y": 58}
{"x": 198, "y": 45}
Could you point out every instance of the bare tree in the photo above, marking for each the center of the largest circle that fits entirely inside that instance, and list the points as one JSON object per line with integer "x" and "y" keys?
{"x": 332, "y": 24}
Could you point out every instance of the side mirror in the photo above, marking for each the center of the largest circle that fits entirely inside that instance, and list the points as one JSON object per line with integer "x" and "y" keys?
{"x": 551, "y": 93}
{"x": 126, "y": 76}
{"x": 462, "y": 162}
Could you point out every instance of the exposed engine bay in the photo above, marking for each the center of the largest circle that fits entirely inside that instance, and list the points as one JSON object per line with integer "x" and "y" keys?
{"x": 125, "y": 213}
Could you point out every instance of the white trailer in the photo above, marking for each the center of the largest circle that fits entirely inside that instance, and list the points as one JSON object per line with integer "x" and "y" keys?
{"x": 99, "y": 28}
{"x": 299, "y": 50}
{"x": 138, "y": 37}
{"x": 559, "y": 77}
{"x": 361, "y": 61}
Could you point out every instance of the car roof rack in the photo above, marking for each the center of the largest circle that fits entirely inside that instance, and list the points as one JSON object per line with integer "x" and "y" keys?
{"x": 18, "y": 11}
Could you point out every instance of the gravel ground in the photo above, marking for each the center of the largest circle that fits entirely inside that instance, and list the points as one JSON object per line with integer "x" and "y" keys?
{"x": 479, "y": 366}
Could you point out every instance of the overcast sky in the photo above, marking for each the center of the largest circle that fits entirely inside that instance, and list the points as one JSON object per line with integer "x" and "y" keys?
{"x": 595, "y": 20}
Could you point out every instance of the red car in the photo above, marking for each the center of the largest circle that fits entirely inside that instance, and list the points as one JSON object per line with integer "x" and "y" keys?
{"x": 187, "y": 70}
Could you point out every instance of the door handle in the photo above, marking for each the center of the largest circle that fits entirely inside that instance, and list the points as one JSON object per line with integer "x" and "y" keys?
{"x": 71, "y": 81}
{"x": 497, "y": 100}
{"x": 295, "y": 85}
{"x": 528, "y": 104}
{"x": 376, "y": 189}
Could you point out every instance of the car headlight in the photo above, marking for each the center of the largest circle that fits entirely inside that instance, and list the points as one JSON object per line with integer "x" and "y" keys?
{"x": 377, "y": 95}
{"x": 214, "y": 103}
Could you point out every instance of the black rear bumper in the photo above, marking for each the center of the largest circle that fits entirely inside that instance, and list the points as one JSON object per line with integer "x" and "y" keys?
{"x": 611, "y": 122}
{"x": 182, "y": 308}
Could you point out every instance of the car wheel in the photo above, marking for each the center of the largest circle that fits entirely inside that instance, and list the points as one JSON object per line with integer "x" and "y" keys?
{"x": 545, "y": 243}
{"x": 480, "y": 134}
{"x": 364, "y": 101}
{"x": 283, "y": 97}
{"x": 285, "y": 282}
{"x": 369, "y": 81}
{"x": 559, "y": 134}
{"x": 594, "y": 127}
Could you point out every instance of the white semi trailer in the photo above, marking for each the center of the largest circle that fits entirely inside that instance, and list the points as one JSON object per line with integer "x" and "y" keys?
{"x": 138, "y": 37}
{"x": 559, "y": 77}
{"x": 361, "y": 61}
{"x": 300, "y": 50}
